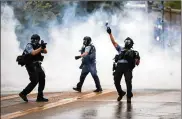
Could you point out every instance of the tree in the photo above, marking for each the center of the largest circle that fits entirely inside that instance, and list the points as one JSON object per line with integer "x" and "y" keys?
{"x": 173, "y": 4}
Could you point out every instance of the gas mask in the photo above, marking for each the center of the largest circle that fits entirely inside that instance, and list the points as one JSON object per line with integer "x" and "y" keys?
{"x": 35, "y": 39}
{"x": 35, "y": 42}
{"x": 86, "y": 40}
{"x": 128, "y": 43}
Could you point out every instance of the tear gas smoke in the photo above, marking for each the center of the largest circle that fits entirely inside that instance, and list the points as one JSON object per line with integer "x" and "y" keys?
{"x": 159, "y": 68}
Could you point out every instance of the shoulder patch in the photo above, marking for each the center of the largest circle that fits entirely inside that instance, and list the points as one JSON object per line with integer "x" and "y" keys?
{"x": 29, "y": 46}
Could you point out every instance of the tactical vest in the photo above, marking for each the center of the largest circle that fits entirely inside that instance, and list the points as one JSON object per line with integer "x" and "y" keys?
{"x": 91, "y": 55}
{"x": 30, "y": 58}
{"x": 92, "y": 50}
{"x": 129, "y": 55}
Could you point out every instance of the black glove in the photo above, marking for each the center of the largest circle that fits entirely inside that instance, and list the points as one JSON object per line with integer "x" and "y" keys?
{"x": 108, "y": 30}
{"x": 77, "y": 57}
{"x": 43, "y": 45}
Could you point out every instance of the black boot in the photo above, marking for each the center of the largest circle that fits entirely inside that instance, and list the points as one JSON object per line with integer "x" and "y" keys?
{"x": 129, "y": 97}
{"x": 121, "y": 96}
{"x": 98, "y": 90}
{"x": 40, "y": 98}
{"x": 77, "y": 89}
{"x": 23, "y": 96}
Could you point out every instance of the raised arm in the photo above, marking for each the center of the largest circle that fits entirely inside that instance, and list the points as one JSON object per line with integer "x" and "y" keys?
{"x": 112, "y": 40}
{"x": 111, "y": 37}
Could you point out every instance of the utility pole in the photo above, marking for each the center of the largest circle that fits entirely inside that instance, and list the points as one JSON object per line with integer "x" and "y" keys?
{"x": 162, "y": 10}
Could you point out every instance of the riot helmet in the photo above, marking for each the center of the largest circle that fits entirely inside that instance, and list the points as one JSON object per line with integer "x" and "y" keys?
{"x": 128, "y": 43}
{"x": 87, "y": 40}
{"x": 35, "y": 38}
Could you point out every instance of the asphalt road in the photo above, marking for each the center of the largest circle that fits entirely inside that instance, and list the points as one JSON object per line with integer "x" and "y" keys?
{"x": 155, "y": 104}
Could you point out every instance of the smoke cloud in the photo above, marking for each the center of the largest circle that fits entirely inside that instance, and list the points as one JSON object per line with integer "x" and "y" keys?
{"x": 12, "y": 75}
{"x": 159, "y": 68}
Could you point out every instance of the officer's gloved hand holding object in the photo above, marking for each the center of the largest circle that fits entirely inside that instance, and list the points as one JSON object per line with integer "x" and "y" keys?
{"x": 108, "y": 30}
{"x": 77, "y": 57}
{"x": 43, "y": 45}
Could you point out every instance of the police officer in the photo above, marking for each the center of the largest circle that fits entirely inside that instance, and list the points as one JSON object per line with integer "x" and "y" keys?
{"x": 88, "y": 54}
{"x": 33, "y": 58}
{"x": 125, "y": 63}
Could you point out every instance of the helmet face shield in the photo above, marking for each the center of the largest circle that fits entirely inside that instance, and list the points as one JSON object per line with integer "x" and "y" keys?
{"x": 86, "y": 40}
{"x": 35, "y": 39}
{"x": 128, "y": 43}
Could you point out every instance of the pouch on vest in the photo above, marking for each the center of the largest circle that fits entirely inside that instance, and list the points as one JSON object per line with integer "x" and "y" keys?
{"x": 130, "y": 57}
{"x": 21, "y": 60}
{"x": 121, "y": 55}
{"x": 92, "y": 53}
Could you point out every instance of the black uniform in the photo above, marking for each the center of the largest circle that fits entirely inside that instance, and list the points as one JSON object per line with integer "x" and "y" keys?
{"x": 33, "y": 67}
{"x": 35, "y": 71}
{"x": 124, "y": 65}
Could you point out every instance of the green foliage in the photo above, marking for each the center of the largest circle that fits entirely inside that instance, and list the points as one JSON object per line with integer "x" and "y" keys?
{"x": 41, "y": 11}
{"x": 35, "y": 13}
{"x": 37, "y": 5}
{"x": 173, "y": 4}
{"x": 106, "y": 5}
